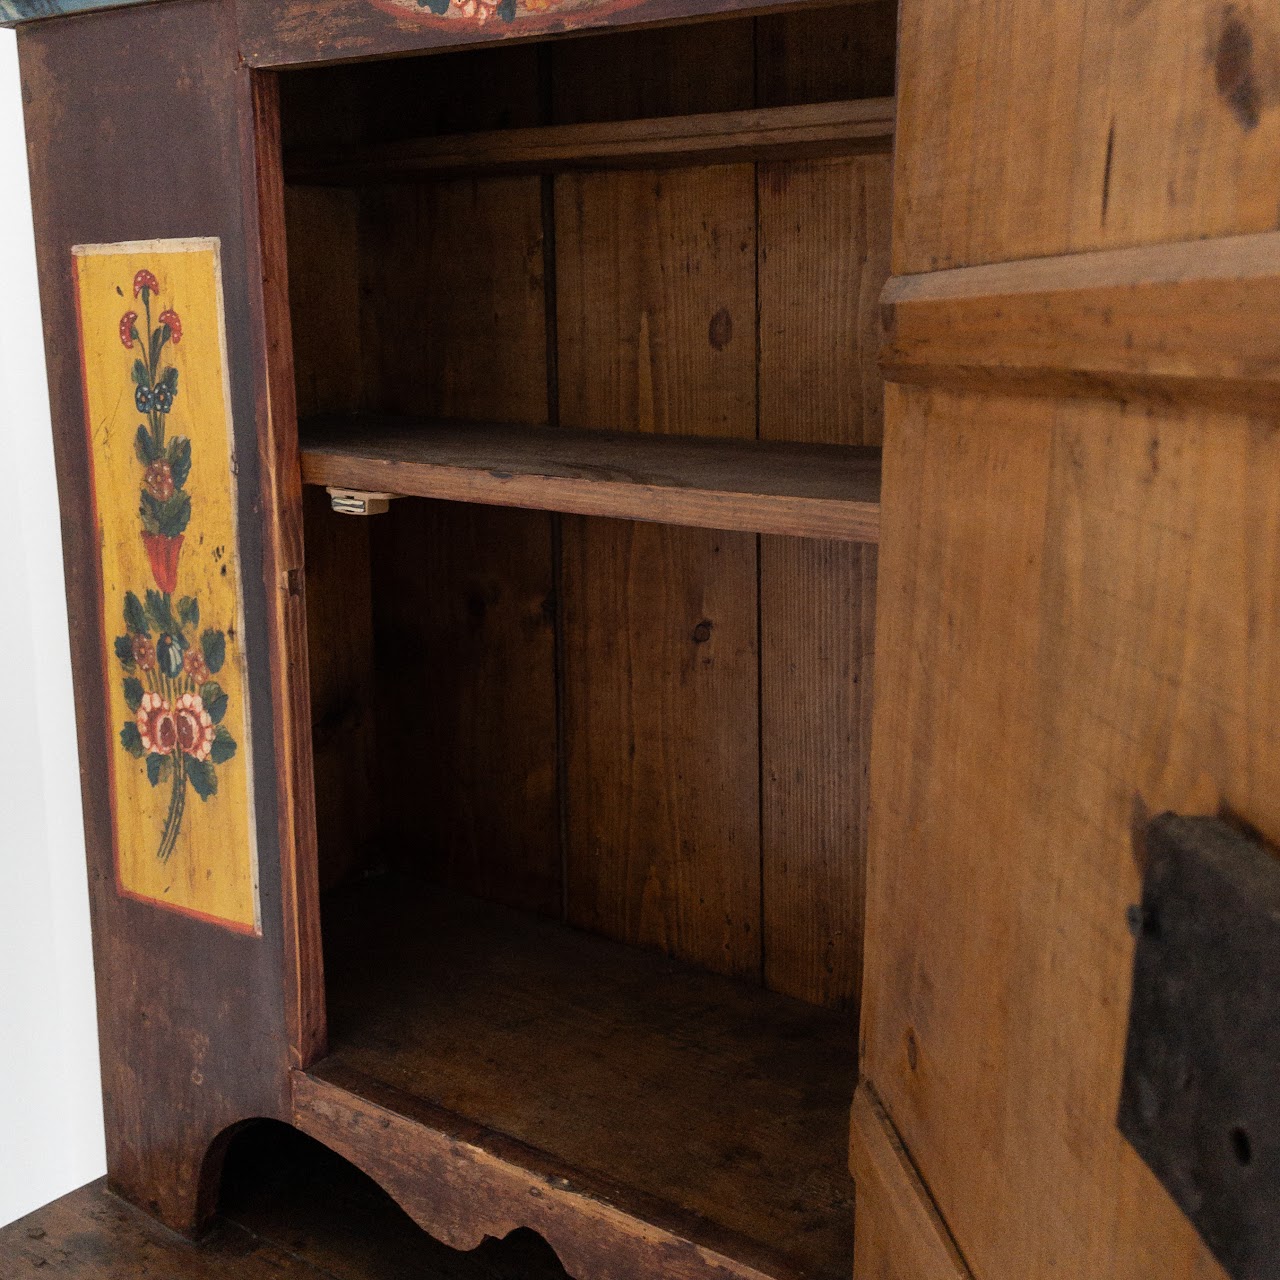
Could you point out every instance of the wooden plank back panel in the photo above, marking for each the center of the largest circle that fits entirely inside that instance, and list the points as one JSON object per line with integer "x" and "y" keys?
{"x": 322, "y": 230}
{"x": 826, "y": 54}
{"x": 656, "y": 315}
{"x": 465, "y": 643}
{"x": 824, "y": 232}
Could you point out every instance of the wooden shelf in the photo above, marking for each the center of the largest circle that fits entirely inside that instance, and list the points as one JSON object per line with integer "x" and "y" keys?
{"x": 817, "y": 129}
{"x": 814, "y": 491}
{"x": 493, "y": 1069}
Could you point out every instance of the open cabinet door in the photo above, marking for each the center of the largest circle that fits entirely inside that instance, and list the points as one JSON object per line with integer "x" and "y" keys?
{"x": 1078, "y": 622}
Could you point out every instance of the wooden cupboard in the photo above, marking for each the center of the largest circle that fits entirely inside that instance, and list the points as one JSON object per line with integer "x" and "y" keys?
{"x": 521, "y": 839}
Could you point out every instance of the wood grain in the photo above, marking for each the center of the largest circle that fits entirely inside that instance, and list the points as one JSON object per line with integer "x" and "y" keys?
{"x": 465, "y": 667}
{"x": 1173, "y": 320}
{"x": 825, "y": 54}
{"x": 916, "y": 1245}
{"x": 1016, "y": 747}
{"x": 824, "y": 232}
{"x": 687, "y": 1100}
{"x": 804, "y": 491}
{"x": 675, "y": 70}
{"x": 656, "y": 311}
{"x": 462, "y": 595}
{"x": 290, "y": 1210}
{"x": 817, "y": 129}
{"x": 187, "y": 1049}
{"x": 1146, "y": 124}
{"x": 278, "y": 33}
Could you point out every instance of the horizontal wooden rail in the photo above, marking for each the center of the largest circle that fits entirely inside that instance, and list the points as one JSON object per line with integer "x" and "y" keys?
{"x": 806, "y": 490}
{"x": 1182, "y": 321}
{"x": 816, "y": 129}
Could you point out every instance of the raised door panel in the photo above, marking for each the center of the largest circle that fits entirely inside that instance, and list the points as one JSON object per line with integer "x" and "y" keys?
{"x": 1077, "y": 620}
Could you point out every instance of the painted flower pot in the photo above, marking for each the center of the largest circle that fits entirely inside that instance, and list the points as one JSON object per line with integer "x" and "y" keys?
{"x": 163, "y": 553}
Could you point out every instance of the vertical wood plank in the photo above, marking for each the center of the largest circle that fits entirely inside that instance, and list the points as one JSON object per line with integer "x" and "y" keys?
{"x": 322, "y": 228}
{"x": 656, "y": 317}
{"x": 463, "y": 611}
{"x": 824, "y": 245}
{"x": 823, "y": 55}
{"x": 667, "y": 71}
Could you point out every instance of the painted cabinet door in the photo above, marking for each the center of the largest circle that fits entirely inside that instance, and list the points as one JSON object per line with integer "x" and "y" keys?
{"x": 1078, "y": 621}
{"x": 141, "y": 144}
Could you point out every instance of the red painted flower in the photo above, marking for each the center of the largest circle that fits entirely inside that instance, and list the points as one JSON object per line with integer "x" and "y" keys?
{"x": 156, "y": 725}
{"x": 174, "y": 321}
{"x": 163, "y": 553}
{"x": 144, "y": 652}
{"x": 195, "y": 728}
{"x": 193, "y": 664}
{"x": 158, "y": 478}
{"x": 127, "y": 321}
{"x": 145, "y": 280}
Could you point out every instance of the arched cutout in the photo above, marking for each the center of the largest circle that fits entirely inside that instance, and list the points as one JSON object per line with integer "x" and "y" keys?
{"x": 287, "y": 1189}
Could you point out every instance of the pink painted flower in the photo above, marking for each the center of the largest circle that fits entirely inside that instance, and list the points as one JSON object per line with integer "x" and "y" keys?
{"x": 127, "y": 321}
{"x": 145, "y": 280}
{"x": 156, "y": 725}
{"x": 480, "y": 10}
{"x": 193, "y": 664}
{"x": 172, "y": 319}
{"x": 158, "y": 479}
{"x": 144, "y": 652}
{"x": 195, "y": 727}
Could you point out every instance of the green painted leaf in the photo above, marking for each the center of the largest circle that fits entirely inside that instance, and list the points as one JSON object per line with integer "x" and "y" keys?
{"x": 213, "y": 644}
{"x": 160, "y": 612}
{"x": 158, "y": 768}
{"x": 150, "y": 510}
{"x": 144, "y": 446}
{"x": 131, "y": 739}
{"x": 214, "y": 699}
{"x": 140, "y": 374}
{"x": 204, "y": 781}
{"x": 124, "y": 651}
{"x": 155, "y": 347}
{"x": 189, "y": 611}
{"x": 175, "y": 514}
{"x": 179, "y": 455}
{"x": 134, "y": 617}
{"x": 224, "y": 746}
{"x": 169, "y": 378}
{"x": 133, "y": 692}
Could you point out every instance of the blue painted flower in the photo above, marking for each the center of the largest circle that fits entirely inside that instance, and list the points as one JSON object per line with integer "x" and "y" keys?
{"x": 163, "y": 397}
{"x": 142, "y": 397}
{"x": 169, "y": 656}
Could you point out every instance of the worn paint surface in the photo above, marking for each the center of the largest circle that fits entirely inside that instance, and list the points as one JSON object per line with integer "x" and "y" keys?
{"x": 479, "y": 12}
{"x": 153, "y": 352}
{"x": 14, "y": 12}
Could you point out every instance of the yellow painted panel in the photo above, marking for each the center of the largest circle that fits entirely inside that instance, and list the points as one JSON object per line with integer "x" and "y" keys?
{"x": 157, "y": 406}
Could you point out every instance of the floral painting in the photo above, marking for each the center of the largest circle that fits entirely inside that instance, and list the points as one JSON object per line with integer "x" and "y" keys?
{"x": 479, "y": 12}
{"x": 164, "y": 491}
{"x": 169, "y": 663}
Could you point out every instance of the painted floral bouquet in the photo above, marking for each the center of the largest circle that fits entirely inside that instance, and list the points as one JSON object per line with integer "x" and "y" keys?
{"x": 169, "y": 663}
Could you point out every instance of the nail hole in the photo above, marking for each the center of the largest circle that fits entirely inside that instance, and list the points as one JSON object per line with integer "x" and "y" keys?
{"x": 1241, "y": 1146}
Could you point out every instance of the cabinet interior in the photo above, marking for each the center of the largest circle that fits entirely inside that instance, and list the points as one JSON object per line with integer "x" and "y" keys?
{"x": 591, "y": 791}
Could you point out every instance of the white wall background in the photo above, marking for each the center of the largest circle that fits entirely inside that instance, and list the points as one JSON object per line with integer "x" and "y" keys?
{"x": 50, "y": 1103}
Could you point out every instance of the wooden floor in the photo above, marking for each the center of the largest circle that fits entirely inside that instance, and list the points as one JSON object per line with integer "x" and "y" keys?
{"x": 291, "y": 1211}
{"x": 699, "y": 1092}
